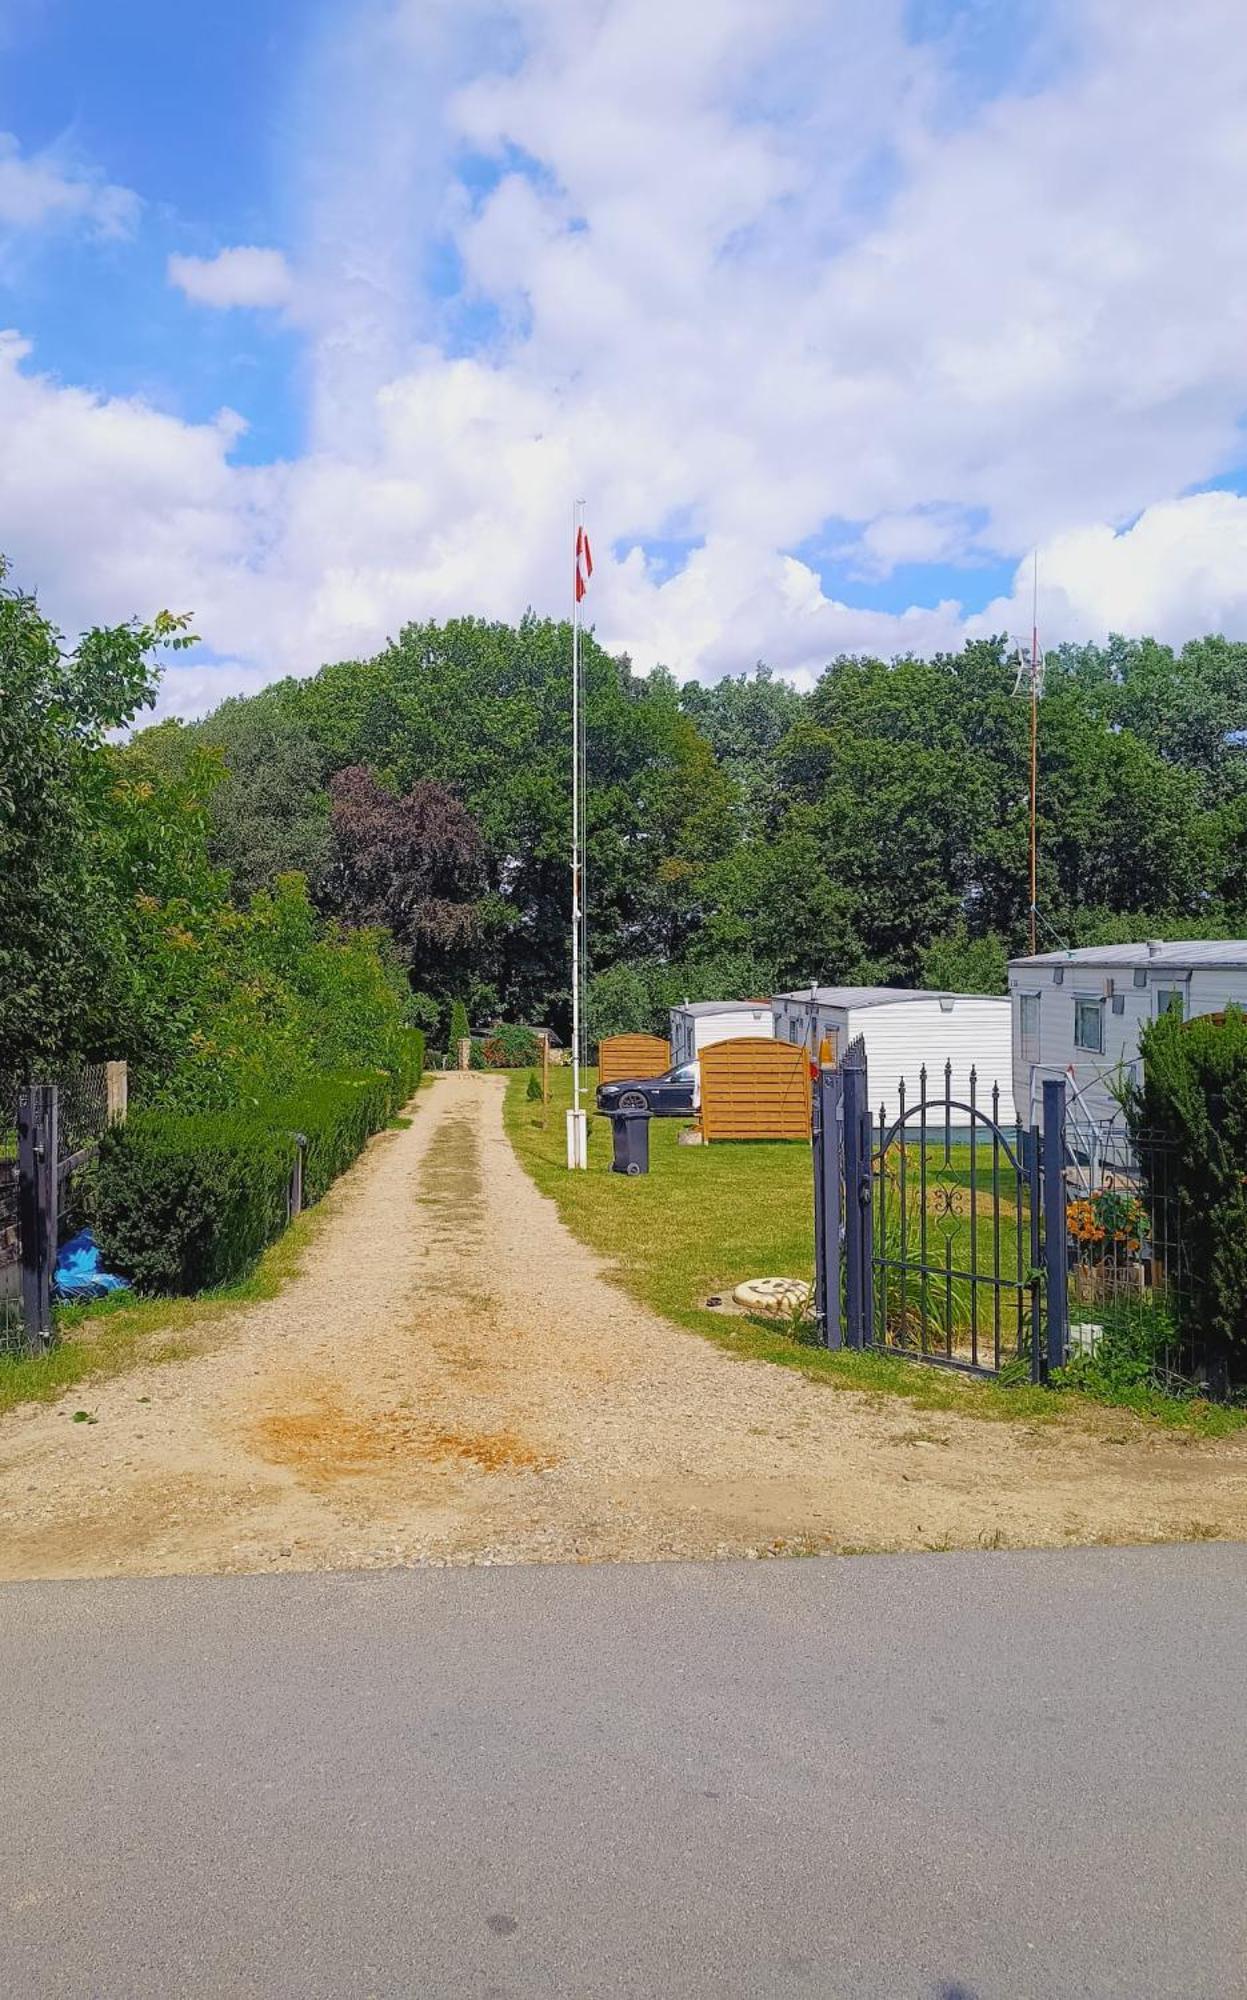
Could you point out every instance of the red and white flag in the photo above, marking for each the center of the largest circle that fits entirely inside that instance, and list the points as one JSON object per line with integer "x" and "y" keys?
{"x": 584, "y": 563}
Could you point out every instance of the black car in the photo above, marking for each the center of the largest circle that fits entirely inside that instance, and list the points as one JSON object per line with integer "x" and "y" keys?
{"x": 667, "y": 1096}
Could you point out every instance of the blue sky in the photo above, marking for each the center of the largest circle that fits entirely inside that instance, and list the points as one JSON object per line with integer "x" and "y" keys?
{"x": 832, "y": 310}
{"x": 185, "y": 106}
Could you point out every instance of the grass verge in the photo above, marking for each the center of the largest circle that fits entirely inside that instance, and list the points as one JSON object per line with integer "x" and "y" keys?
{"x": 706, "y": 1217}
{"x": 115, "y": 1333}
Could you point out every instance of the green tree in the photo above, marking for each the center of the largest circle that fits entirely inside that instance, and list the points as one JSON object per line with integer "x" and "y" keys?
{"x": 63, "y": 983}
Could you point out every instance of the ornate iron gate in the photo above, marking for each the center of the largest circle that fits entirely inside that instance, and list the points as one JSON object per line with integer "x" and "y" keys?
{"x": 938, "y": 1234}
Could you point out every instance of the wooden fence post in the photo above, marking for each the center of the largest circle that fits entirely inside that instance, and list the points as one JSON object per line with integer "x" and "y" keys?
{"x": 37, "y": 1222}
{"x": 117, "y": 1086}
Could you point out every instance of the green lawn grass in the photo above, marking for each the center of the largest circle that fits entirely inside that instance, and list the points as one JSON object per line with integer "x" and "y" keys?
{"x": 706, "y": 1217}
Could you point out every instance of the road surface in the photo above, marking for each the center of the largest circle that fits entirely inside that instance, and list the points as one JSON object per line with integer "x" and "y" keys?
{"x": 971, "y": 1777}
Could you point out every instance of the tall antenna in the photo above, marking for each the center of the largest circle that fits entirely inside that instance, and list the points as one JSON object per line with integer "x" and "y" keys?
{"x": 1030, "y": 674}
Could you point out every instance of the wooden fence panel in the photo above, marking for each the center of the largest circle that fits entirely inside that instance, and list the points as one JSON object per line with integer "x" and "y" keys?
{"x": 624, "y": 1056}
{"x": 755, "y": 1089}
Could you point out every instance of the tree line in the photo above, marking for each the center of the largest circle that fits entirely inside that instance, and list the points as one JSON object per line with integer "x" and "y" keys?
{"x": 741, "y": 837}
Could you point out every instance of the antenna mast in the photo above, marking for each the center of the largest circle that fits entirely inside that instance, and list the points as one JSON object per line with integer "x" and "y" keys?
{"x": 1030, "y": 671}
{"x": 1035, "y": 672}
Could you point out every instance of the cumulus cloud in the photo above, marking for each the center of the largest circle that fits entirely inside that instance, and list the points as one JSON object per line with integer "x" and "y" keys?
{"x": 1177, "y": 571}
{"x": 40, "y": 189}
{"x": 752, "y": 280}
{"x": 242, "y": 276}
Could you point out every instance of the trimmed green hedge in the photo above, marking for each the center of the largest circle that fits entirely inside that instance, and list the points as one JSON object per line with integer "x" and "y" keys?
{"x": 183, "y": 1202}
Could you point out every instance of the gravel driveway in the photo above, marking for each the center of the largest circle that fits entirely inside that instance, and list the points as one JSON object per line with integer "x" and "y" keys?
{"x": 453, "y": 1378}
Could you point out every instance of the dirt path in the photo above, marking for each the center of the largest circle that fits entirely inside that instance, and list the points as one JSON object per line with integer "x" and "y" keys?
{"x": 451, "y": 1378}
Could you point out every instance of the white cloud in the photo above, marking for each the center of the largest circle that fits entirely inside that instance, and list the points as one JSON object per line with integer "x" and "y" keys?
{"x": 742, "y": 280}
{"x": 41, "y": 189}
{"x": 241, "y": 276}
{"x": 1178, "y": 571}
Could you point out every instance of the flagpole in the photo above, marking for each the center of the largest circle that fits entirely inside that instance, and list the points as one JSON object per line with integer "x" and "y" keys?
{"x": 576, "y": 1135}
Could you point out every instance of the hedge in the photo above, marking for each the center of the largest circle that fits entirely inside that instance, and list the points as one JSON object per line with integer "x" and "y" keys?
{"x": 182, "y": 1202}
{"x": 512, "y": 1048}
{"x": 1188, "y": 1120}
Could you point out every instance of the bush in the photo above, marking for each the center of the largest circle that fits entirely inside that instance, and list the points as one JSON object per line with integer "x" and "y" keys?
{"x": 512, "y": 1048}
{"x": 1134, "y": 1353}
{"x": 459, "y": 1032}
{"x": 185, "y": 1201}
{"x": 1188, "y": 1122}
{"x": 337, "y": 1117}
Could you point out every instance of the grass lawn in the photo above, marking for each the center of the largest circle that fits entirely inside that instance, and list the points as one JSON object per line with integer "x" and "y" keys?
{"x": 705, "y": 1217}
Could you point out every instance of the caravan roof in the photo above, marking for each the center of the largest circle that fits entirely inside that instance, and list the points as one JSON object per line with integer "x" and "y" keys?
{"x": 857, "y": 997}
{"x": 1179, "y": 952}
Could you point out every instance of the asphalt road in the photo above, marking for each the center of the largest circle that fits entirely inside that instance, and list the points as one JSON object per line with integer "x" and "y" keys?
{"x": 971, "y": 1777}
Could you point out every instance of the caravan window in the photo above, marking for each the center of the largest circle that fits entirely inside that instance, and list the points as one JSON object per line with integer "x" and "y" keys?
{"x": 1030, "y": 1027}
{"x": 1089, "y": 1026}
{"x": 1170, "y": 1000}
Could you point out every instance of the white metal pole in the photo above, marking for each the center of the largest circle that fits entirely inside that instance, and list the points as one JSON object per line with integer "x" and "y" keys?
{"x": 576, "y": 1138}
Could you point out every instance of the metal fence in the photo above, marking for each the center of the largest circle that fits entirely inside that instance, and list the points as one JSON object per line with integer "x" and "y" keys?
{"x": 10, "y": 1240}
{"x": 49, "y": 1135}
{"x": 937, "y": 1234}
{"x": 1131, "y": 1283}
{"x": 944, "y": 1235}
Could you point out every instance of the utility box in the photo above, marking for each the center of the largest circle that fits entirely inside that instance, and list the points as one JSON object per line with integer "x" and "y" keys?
{"x": 630, "y": 1134}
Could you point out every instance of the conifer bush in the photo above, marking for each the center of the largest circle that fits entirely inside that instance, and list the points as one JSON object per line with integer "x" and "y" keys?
{"x": 1188, "y": 1122}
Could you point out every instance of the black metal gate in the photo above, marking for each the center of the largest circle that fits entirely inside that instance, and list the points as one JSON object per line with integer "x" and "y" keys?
{"x": 935, "y": 1227}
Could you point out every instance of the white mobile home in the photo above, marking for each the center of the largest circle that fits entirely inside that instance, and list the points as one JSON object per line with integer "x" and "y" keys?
{"x": 698, "y": 1023}
{"x": 904, "y": 1031}
{"x": 1079, "y": 1014}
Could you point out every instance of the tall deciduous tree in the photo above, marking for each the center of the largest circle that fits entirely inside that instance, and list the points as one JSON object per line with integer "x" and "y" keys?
{"x": 411, "y": 865}
{"x": 62, "y": 958}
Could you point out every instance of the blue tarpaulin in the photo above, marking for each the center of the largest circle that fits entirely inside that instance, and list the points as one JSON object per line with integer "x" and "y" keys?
{"x": 79, "y": 1273}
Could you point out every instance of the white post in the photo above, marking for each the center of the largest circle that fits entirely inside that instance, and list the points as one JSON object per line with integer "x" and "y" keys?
{"x": 577, "y": 1134}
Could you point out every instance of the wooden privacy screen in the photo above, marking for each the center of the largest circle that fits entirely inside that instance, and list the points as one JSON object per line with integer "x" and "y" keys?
{"x": 624, "y": 1056}
{"x": 755, "y": 1089}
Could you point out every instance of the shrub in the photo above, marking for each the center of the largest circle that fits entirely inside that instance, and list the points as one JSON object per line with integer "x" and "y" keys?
{"x": 336, "y": 1117}
{"x": 407, "y": 1066}
{"x": 512, "y": 1048}
{"x": 185, "y": 1201}
{"x": 1188, "y": 1122}
{"x": 1137, "y": 1342}
{"x": 459, "y": 1031}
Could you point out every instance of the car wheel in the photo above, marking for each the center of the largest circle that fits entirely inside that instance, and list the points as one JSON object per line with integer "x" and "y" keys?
{"x": 634, "y": 1100}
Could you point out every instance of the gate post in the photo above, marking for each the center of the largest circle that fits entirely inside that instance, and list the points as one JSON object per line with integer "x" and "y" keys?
{"x": 1054, "y": 1246}
{"x": 36, "y": 1195}
{"x": 857, "y": 1193}
{"x": 828, "y": 1097}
